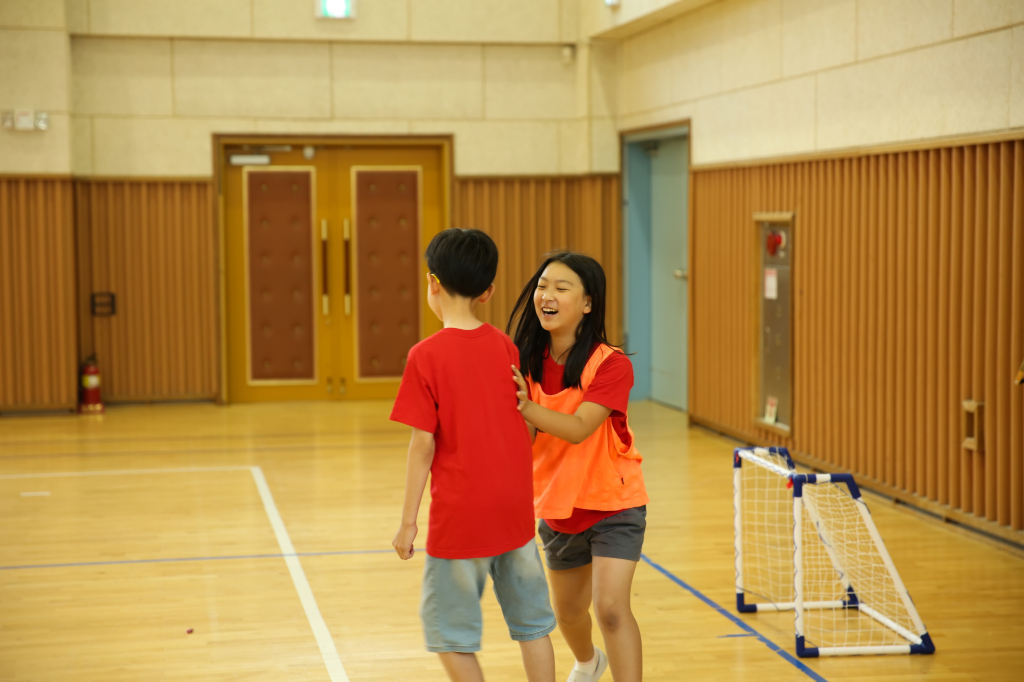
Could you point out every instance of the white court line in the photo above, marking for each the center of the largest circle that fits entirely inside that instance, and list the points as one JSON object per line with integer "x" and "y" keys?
{"x": 124, "y": 472}
{"x": 328, "y": 651}
{"x": 323, "y": 636}
{"x": 41, "y": 493}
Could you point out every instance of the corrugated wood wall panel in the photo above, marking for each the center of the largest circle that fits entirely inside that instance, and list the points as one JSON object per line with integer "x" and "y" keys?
{"x": 38, "y": 368}
{"x": 152, "y": 244}
{"x": 909, "y": 282}
{"x": 529, "y": 217}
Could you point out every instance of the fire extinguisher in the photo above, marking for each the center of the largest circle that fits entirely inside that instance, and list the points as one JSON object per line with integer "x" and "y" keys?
{"x": 89, "y": 395}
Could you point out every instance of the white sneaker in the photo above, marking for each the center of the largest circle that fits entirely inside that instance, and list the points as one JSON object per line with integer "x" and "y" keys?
{"x": 580, "y": 676}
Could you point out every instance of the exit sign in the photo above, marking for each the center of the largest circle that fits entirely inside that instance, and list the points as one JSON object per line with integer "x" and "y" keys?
{"x": 336, "y": 9}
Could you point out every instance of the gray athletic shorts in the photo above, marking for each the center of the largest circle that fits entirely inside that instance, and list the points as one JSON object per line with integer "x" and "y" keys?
{"x": 618, "y": 537}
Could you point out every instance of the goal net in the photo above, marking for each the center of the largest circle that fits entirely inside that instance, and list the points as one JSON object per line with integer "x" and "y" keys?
{"x": 807, "y": 543}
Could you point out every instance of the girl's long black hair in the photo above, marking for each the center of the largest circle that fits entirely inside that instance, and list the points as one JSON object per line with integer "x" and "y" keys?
{"x": 532, "y": 339}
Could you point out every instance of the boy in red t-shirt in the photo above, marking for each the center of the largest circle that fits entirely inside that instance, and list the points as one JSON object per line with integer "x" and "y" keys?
{"x": 468, "y": 434}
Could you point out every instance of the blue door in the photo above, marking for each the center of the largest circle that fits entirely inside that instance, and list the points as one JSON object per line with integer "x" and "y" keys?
{"x": 656, "y": 240}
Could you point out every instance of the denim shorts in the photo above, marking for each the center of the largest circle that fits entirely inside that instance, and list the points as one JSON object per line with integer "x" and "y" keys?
{"x": 619, "y": 537}
{"x": 452, "y": 588}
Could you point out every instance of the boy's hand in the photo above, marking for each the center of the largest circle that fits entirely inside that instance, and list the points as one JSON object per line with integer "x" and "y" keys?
{"x": 522, "y": 392}
{"x": 403, "y": 541}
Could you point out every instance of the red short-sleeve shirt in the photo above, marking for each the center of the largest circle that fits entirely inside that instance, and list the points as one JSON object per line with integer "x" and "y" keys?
{"x": 610, "y": 388}
{"x": 458, "y": 385}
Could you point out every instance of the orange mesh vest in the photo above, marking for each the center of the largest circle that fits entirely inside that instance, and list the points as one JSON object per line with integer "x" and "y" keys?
{"x": 601, "y": 473}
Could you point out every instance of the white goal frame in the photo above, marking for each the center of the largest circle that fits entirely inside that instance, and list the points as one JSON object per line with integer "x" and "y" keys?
{"x": 779, "y": 473}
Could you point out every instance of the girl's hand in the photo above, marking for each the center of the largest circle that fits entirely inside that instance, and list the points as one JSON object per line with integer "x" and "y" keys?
{"x": 522, "y": 392}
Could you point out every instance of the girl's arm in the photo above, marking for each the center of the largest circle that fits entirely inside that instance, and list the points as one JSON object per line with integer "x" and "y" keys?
{"x": 421, "y": 456}
{"x": 573, "y": 428}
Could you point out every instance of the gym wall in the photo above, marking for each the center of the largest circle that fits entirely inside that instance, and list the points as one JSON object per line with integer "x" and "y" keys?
{"x": 762, "y": 79}
{"x": 867, "y": 118}
{"x": 135, "y": 89}
{"x": 908, "y": 300}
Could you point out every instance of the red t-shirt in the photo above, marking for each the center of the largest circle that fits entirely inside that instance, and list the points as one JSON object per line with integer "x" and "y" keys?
{"x": 610, "y": 388}
{"x": 458, "y": 385}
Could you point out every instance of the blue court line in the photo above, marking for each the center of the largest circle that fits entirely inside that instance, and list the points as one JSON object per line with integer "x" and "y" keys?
{"x": 196, "y": 558}
{"x": 745, "y": 634}
{"x": 795, "y": 662}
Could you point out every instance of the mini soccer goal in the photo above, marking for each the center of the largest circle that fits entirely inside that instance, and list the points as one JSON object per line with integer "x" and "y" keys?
{"x": 807, "y": 543}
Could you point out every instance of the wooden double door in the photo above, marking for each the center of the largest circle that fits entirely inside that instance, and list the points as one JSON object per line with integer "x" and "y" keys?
{"x": 324, "y": 267}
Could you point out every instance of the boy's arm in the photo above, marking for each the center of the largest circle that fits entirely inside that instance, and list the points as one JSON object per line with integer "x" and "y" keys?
{"x": 421, "y": 456}
{"x": 574, "y": 428}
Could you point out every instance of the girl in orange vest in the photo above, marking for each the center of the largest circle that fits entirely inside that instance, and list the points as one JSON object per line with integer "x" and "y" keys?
{"x": 588, "y": 488}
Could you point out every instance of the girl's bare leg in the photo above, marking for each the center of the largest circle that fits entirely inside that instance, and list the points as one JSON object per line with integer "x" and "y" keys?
{"x": 570, "y": 598}
{"x": 612, "y": 580}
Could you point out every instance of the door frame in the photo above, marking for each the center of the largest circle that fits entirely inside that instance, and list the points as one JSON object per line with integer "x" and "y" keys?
{"x": 653, "y": 133}
{"x": 221, "y": 141}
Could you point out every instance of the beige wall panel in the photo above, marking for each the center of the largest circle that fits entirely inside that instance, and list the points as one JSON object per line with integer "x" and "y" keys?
{"x": 669, "y": 114}
{"x": 77, "y": 16}
{"x": 760, "y": 122}
{"x": 377, "y": 126}
{"x": 32, "y": 14}
{"x": 702, "y": 35}
{"x": 222, "y": 78}
{"x": 570, "y": 21}
{"x": 38, "y": 367}
{"x": 158, "y": 147}
{"x": 604, "y": 146}
{"x": 859, "y": 104}
{"x": 956, "y": 88}
{"x": 291, "y": 20}
{"x": 886, "y": 26}
{"x": 751, "y": 42}
{"x": 527, "y": 21}
{"x": 81, "y": 145}
{"x": 117, "y": 76}
{"x": 37, "y": 151}
{"x": 817, "y": 34}
{"x": 975, "y": 16}
{"x": 573, "y": 146}
{"x": 651, "y": 65}
{"x": 1017, "y": 78}
{"x": 583, "y": 66}
{"x": 34, "y": 67}
{"x": 528, "y": 82}
{"x": 407, "y": 81}
{"x": 499, "y": 147}
{"x": 191, "y": 18}
{"x": 632, "y": 16}
{"x": 603, "y": 79}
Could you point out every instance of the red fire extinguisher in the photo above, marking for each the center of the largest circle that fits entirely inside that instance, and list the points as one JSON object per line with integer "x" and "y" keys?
{"x": 89, "y": 395}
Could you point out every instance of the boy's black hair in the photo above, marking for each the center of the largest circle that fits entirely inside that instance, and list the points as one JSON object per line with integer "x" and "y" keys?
{"x": 533, "y": 340}
{"x": 464, "y": 261}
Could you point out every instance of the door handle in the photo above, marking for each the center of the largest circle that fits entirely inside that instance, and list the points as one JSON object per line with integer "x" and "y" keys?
{"x": 348, "y": 267}
{"x": 680, "y": 274}
{"x": 325, "y": 295}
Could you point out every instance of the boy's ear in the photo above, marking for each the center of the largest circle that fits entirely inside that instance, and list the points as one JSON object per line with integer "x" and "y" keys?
{"x": 433, "y": 286}
{"x": 486, "y": 296}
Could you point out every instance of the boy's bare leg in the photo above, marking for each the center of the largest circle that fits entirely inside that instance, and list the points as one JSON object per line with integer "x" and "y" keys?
{"x": 613, "y": 579}
{"x": 461, "y": 667}
{"x": 570, "y": 599}
{"x": 539, "y": 659}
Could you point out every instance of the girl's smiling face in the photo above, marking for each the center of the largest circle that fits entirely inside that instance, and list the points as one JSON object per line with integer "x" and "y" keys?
{"x": 559, "y": 300}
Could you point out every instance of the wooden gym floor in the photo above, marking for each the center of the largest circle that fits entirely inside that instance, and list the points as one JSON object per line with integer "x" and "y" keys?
{"x": 120, "y": 533}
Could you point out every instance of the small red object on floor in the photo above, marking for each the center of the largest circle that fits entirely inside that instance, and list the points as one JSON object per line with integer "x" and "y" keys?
{"x": 189, "y": 631}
